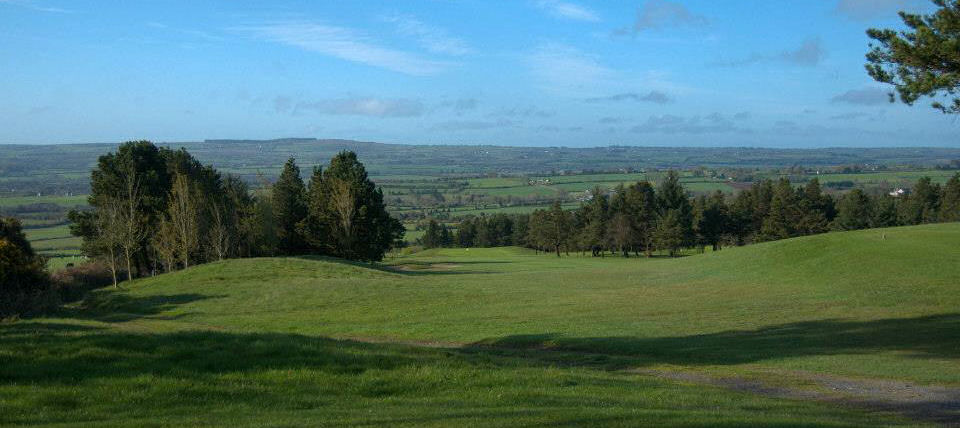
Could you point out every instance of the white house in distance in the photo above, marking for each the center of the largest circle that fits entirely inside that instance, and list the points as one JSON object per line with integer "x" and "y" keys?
{"x": 898, "y": 193}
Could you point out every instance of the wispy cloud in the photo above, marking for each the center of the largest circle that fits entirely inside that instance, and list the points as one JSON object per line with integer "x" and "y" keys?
{"x": 345, "y": 44}
{"x": 809, "y": 54}
{"x": 560, "y": 67}
{"x": 460, "y": 105}
{"x": 864, "y": 10}
{"x": 352, "y": 106}
{"x": 188, "y": 32}
{"x": 658, "y": 14}
{"x": 655, "y": 97}
{"x": 433, "y": 39}
{"x": 849, "y": 116}
{"x": 568, "y": 10}
{"x": 471, "y": 125}
{"x": 523, "y": 112}
{"x": 865, "y": 96}
{"x": 714, "y": 123}
{"x": 37, "y": 7}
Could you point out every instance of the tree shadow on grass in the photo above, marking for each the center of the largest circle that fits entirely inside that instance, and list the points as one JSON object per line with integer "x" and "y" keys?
{"x": 50, "y": 355}
{"x": 77, "y": 352}
{"x": 935, "y": 336}
{"x": 417, "y": 268}
{"x": 118, "y": 306}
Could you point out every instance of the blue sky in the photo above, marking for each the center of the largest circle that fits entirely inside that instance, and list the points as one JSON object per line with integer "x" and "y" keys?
{"x": 524, "y": 72}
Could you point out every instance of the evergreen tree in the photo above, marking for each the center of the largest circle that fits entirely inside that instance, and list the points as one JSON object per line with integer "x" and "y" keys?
{"x": 921, "y": 205}
{"x": 671, "y": 196}
{"x": 594, "y": 235}
{"x": 360, "y": 228}
{"x": 884, "y": 211}
{"x": 289, "y": 209}
{"x": 24, "y": 284}
{"x": 642, "y": 209}
{"x": 853, "y": 211}
{"x": 669, "y": 235}
{"x": 950, "y": 200}
{"x": 467, "y": 233}
{"x": 923, "y": 60}
{"x": 782, "y": 216}
{"x": 557, "y": 227}
{"x": 714, "y": 221}
{"x": 431, "y": 236}
{"x": 815, "y": 210}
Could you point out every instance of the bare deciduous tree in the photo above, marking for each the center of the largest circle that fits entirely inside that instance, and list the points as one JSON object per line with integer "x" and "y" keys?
{"x": 183, "y": 216}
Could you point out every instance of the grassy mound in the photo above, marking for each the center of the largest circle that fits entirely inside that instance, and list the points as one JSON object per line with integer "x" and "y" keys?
{"x": 503, "y": 336}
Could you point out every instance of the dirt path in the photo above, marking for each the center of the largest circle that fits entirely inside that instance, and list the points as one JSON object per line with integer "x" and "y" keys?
{"x": 922, "y": 403}
{"x": 935, "y": 404}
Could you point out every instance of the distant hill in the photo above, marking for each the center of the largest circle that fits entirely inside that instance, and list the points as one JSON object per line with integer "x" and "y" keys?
{"x": 66, "y": 167}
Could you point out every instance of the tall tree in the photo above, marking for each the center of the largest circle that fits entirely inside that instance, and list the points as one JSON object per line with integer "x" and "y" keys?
{"x": 24, "y": 284}
{"x": 184, "y": 215}
{"x": 359, "y": 225}
{"x": 853, "y": 211}
{"x": 431, "y": 235}
{"x": 594, "y": 234}
{"x": 132, "y": 227}
{"x": 642, "y": 209}
{"x": 923, "y": 60}
{"x": 815, "y": 210}
{"x": 164, "y": 242}
{"x": 950, "y": 201}
{"x": 671, "y": 196}
{"x": 289, "y": 208}
{"x": 714, "y": 220}
{"x": 921, "y": 205}
{"x": 670, "y": 234}
{"x": 108, "y": 232}
{"x": 782, "y": 217}
{"x": 884, "y": 211}
{"x": 557, "y": 230}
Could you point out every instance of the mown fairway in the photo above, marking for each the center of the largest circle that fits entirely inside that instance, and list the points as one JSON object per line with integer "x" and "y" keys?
{"x": 751, "y": 335}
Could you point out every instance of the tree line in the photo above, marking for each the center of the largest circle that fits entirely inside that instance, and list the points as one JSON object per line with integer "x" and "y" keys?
{"x": 641, "y": 218}
{"x": 156, "y": 209}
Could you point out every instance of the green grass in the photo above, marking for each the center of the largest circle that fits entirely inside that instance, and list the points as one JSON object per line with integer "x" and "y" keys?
{"x": 498, "y": 336}
{"x": 65, "y": 201}
{"x": 44, "y": 233}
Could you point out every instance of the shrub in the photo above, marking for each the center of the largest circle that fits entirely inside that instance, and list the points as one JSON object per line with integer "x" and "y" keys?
{"x": 73, "y": 282}
{"x": 24, "y": 284}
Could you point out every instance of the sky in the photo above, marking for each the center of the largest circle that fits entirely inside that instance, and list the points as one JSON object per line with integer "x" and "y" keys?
{"x": 760, "y": 73}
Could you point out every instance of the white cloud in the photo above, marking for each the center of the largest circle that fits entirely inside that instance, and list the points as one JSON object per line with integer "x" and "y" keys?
{"x": 863, "y": 10}
{"x": 665, "y": 13}
{"x": 353, "y": 106}
{"x": 346, "y": 44}
{"x": 471, "y": 125}
{"x": 809, "y": 54}
{"x": 433, "y": 39}
{"x": 865, "y": 96}
{"x": 568, "y": 10}
{"x": 33, "y": 6}
{"x": 561, "y": 68}
{"x": 655, "y": 97}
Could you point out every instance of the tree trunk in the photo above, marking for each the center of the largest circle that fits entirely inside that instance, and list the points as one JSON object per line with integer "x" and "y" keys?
{"x": 126, "y": 255}
{"x": 113, "y": 268}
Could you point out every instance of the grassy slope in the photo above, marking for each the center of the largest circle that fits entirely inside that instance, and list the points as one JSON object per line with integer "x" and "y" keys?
{"x": 246, "y": 337}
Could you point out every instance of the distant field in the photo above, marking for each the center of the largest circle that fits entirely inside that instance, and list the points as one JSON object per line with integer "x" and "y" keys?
{"x": 66, "y": 201}
{"x": 894, "y": 178}
{"x": 770, "y": 334}
{"x": 57, "y": 244}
